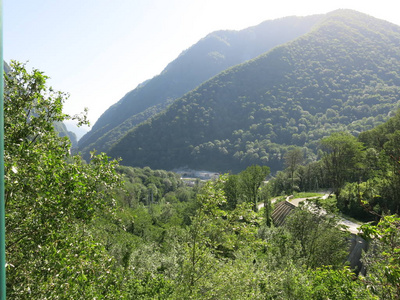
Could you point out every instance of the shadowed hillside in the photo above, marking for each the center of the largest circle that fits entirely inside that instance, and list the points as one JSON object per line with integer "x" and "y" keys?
{"x": 342, "y": 75}
{"x": 211, "y": 55}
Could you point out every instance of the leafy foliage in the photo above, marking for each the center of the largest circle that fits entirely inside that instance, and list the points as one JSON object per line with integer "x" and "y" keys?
{"x": 50, "y": 197}
{"x": 293, "y": 159}
{"x": 341, "y": 158}
{"x": 251, "y": 180}
{"x": 363, "y": 172}
{"x": 96, "y": 230}
{"x": 383, "y": 262}
{"x": 319, "y": 240}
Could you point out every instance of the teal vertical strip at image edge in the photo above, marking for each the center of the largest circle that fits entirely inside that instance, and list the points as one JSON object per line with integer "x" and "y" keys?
{"x": 2, "y": 200}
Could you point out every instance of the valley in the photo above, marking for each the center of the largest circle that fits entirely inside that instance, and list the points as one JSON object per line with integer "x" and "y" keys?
{"x": 278, "y": 114}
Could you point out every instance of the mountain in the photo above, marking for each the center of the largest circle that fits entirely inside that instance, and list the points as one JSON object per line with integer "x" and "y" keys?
{"x": 211, "y": 55}
{"x": 62, "y": 130}
{"x": 78, "y": 131}
{"x": 344, "y": 74}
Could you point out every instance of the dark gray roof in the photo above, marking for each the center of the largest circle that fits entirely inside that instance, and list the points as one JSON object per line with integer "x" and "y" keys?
{"x": 281, "y": 211}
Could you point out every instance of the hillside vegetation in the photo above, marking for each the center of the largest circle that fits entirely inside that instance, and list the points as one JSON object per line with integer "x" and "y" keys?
{"x": 96, "y": 230}
{"x": 362, "y": 172}
{"x": 343, "y": 75}
{"x": 212, "y": 54}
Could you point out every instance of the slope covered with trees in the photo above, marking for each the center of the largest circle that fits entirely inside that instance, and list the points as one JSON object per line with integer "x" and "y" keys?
{"x": 343, "y": 75}
{"x": 362, "y": 172}
{"x": 211, "y": 55}
{"x": 97, "y": 230}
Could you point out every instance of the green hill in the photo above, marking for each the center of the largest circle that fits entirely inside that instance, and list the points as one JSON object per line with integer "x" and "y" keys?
{"x": 211, "y": 55}
{"x": 342, "y": 75}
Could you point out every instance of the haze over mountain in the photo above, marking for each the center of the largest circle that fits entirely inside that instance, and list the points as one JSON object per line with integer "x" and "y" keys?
{"x": 63, "y": 131}
{"x": 341, "y": 75}
{"x": 211, "y": 55}
{"x": 59, "y": 126}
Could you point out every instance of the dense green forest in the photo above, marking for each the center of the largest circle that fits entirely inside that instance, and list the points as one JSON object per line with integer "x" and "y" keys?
{"x": 97, "y": 230}
{"x": 211, "y": 55}
{"x": 341, "y": 76}
{"x": 362, "y": 172}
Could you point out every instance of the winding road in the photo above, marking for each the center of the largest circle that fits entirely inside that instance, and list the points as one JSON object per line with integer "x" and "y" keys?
{"x": 350, "y": 226}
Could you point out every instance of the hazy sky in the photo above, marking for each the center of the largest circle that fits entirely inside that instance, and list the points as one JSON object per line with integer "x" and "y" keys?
{"x": 98, "y": 50}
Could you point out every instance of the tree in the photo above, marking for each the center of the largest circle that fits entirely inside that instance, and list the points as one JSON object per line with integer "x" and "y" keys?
{"x": 265, "y": 195}
{"x": 232, "y": 191}
{"x": 383, "y": 262}
{"x": 341, "y": 158}
{"x": 321, "y": 242}
{"x": 251, "y": 180}
{"x": 212, "y": 239}
{"x": 293, "y": 159}
{"x": 392, "y": 150}
{"x": 311, "y": 176}
{"x": 50, "y": 198}
{"x": 335, "y": 283}
{"x": 280, "y": 183}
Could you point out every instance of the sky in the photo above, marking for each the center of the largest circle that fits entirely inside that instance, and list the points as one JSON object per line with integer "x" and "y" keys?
{"x": 99, "y": 50}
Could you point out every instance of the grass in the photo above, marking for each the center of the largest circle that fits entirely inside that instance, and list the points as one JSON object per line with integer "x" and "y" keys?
{"x": 306, "y": 195}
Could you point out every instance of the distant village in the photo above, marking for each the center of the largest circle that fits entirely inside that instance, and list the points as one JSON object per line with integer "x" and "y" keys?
{"x": 191, "y": 176}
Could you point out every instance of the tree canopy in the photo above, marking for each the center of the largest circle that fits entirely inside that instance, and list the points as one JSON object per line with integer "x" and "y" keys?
{"x": 50, "y": 197}
{"x": 342, "y": 154}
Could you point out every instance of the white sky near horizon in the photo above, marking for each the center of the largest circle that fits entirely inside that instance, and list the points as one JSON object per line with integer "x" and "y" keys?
{"x": 98, "y": 50}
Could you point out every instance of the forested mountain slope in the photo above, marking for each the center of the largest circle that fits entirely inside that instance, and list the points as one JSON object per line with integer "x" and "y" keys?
{"x": 342, "y": 75}
{"x": 63, "y": 131}
{"x": 211, "y": 55}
